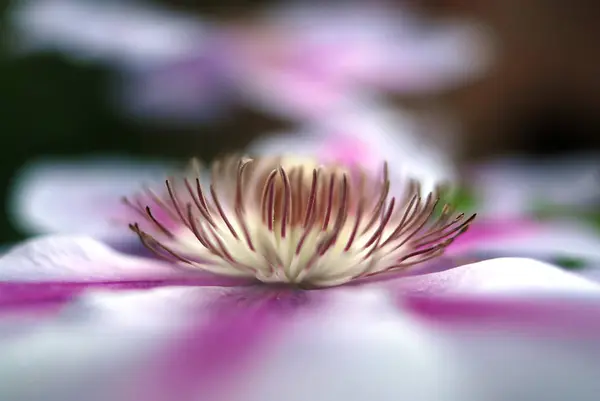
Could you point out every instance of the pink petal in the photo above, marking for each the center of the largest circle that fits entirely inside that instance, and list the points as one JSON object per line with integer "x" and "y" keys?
{"x": 301, "y": 101}
{"x": 290, "y": 94}
{"x": 214, "y": 350}
{"x": 122, "y": 334}
{"x": 316, "y": 56}
{"x": 193, "y": 88}
{"x": 79, "y": 259}
{"x": 497, "y": 276}
{"x": 356, "y": 347}
{"x": 563, "y": 316}
{"x": 368, "y": 133}
{"x": 361, "y": 344}
{"x": 80, "y": 196}
{"x": 49, "y": 297}
{"x": 178, "y": 92}
{"x": 491, "y": 231}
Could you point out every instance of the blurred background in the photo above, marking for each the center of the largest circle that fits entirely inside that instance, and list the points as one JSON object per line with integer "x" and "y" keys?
{"x": 181, "y": 78}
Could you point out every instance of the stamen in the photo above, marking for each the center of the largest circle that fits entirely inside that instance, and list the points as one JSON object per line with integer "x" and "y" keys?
{"x": 359, "y": 213}
{"x": 175, "y": 201}
{"x": 312, "y": 197}
{"x": 153, "y": 245}
{"x": 199, "y": 200}
{"x": 287, "y": 201}
{"x": 329, "y": 203}
{"x": 221, "y": 212}
{"x": 381, "y": 201}
{"x": 199, "y": 232}
{"x": 382, "y": 225}
{"x": 266, "y": 218}
{"x": 239, "y": 203}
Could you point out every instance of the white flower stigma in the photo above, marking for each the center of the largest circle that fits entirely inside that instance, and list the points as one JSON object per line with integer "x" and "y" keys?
{"x": 294, "y": 222}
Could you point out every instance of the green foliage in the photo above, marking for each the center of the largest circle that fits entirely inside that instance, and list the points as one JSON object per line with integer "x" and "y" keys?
{"x": 570, "y": 263}
{"x": 462, "y": 198}
{"x": 546, "y": 211}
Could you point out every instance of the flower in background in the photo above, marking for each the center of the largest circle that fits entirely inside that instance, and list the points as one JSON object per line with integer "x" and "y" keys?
{"x": 305, "y": 61}
{"x": 83, "y": 196}
{"x": 79, "y": 196}
{"x": 169, "y": 62}
{"x": 122, "y": 327}
{"x": 369, "y": 132}
{"x": 525, "y": 185}
{"x": 561, "y": 194}
{"x": 298, "y": 62}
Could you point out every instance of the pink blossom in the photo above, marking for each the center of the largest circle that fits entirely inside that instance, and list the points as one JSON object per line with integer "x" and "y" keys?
{"x": 81, "y": 318}
{"x": 304, "y": 62}
{"x": 84, "y": 196}
{"x": 87, "y": 320}
{"x": 298, "y": 61}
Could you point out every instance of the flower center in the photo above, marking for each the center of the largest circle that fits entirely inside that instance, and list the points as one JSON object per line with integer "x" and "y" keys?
{"x": 294, "y": 222}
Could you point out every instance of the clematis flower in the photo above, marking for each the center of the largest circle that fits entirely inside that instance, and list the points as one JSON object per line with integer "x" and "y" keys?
{"x": 298, "y": 62}
{"x": 82, "y": 196}
{"x": 304, "y": 62}
{"x": 276, "y": 282}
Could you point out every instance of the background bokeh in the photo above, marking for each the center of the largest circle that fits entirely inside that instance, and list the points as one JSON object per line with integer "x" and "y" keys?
{"x": 541, "y": 96}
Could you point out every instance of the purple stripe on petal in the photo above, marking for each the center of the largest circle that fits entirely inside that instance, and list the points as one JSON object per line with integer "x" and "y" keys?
{"x": 218, "y": 347}
{"x": 492, "y": 230}
{"x": 571, "y": 317}
{"x": 36, "y": 295}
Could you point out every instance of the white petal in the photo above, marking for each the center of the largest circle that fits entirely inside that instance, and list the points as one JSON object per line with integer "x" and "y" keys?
{"x": 501, "y": 276}
{"x": 180, "y": 92}
{"x": 93, "y": 348}
{"x": 551, "y": 240}
{"x": 107, "y": 31}
{"x": 79, "y": 196}
{"x": 521, "y": 347}
{"x": 512, "y": 186}
{"x": 447, "y": 55}
{"x": 362, "y": 346}
{"x": 331, "y": 54}
{"x": 389, "y": 45}
{"x": 358, "y": 348}
{"x": 70, "y": 258}
{"x": 510, "y": 368}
